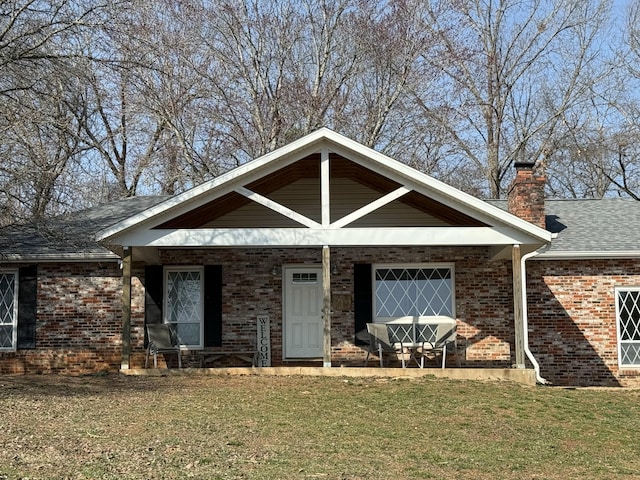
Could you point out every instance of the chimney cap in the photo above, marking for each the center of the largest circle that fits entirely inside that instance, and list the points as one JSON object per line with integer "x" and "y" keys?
{"x": 524, "y": 165}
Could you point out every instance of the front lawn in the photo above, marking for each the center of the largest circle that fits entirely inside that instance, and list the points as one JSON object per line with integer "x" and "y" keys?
{"x": 118, "y": 427}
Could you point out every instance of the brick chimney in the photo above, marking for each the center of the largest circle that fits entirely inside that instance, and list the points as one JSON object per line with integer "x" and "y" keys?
{"x": 526, "y": 194}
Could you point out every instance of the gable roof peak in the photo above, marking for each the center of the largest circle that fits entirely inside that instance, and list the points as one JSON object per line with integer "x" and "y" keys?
{"x": 319, "y": 141}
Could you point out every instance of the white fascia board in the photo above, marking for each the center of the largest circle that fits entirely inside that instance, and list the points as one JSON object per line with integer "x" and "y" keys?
{"x": 287, "y": 237}
{"x": 438, "y": 190}
{"x": 588, "y": 255}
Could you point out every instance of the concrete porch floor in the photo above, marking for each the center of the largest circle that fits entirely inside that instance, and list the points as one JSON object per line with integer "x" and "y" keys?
{"x": 523, "y": 376}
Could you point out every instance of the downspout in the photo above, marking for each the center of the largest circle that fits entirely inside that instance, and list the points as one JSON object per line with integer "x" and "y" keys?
{"x": 525, "y": 318}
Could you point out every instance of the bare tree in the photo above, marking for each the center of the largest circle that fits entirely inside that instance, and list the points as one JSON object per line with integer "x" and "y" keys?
{"x": 153, "y": 96}
{"x": 500, "y": 62}
{"x": 596, "y": 148}
{"x": 37, "y": 51}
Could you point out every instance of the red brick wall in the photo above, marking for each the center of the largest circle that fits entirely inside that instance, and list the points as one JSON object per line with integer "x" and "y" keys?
{"x": 572, "y": 319}
{"x": 571, "y": 307}
{"x": 78, "y": 329}
{"x": 483, "y": 293}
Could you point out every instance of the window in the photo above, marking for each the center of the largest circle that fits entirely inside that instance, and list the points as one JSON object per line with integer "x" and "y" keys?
{"x": 308, "y": 277}
{"x": 8, "y": 310}
{"x": 184, "y": 304}
{"x": 628, "y": 316}
{"x": 415, "y": 290}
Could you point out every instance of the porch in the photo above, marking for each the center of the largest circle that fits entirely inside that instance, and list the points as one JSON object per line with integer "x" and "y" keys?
{"x": 518, "y": 375}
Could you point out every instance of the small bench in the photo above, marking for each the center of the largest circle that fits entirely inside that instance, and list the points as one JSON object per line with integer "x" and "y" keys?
{"x": 210, "y": 356}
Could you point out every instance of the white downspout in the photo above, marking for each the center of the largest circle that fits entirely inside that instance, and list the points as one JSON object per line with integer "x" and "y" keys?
{"x": 525, "y": 318}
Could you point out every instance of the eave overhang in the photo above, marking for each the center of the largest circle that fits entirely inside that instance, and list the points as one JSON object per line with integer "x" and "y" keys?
{"x": 59, "y": 257}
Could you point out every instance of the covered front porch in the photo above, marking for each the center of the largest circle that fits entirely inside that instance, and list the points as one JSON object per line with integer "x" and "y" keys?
{"x": 320, "y": 238}
{"x": 253, "y": 299}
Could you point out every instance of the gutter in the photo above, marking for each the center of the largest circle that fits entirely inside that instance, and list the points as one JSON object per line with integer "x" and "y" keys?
{"x": 589, "y": 255}
{"x": 525, "y": 318}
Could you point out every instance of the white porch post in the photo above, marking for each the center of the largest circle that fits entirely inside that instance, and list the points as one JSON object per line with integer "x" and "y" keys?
{"x": 126, "y": 308}
{"x": 326, "y": 305}
{"x": 326, "y": 258}
{"x": 518, "y": 319}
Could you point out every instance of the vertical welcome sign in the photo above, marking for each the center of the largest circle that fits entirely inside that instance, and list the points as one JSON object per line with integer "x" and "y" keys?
{"x": 264, "y": 341}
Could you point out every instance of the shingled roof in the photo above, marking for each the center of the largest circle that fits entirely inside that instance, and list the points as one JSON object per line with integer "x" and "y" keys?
{"x": 591, "y": 228}
{"x": 69, "y": 237}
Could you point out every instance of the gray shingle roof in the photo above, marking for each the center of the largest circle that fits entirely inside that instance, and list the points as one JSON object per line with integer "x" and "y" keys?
{"x": 69, "y": 236}
{"x": 608, "y": 227}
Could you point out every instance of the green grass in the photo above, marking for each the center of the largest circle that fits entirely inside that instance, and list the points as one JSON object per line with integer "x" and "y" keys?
{"x": 308, "y": 428}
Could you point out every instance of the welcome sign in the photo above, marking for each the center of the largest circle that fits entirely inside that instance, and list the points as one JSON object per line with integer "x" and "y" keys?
{"x": 264, "y": 341}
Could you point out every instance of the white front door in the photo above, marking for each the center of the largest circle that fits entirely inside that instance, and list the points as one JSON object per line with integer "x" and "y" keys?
{"x": 303, "y": 326}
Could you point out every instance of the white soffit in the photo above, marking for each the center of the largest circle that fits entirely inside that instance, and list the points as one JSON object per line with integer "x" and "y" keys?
{"x": 314, "y": 143}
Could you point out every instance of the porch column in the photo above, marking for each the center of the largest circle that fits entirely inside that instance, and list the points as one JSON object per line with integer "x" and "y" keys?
{"x": 326, "y": 305}
{"x": 518, "y": 319}
{"x": 126, "y": 308}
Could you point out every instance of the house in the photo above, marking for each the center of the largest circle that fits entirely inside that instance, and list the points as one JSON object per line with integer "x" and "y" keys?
{"x": 306, "y": 245}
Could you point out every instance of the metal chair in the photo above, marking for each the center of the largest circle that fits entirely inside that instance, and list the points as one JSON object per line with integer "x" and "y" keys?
{"x": 426, "y": 337}
{"x": 161, "y": 340}
{"x": 437, "y": 337}
{"x": 378, "y": 342}
{"x": 401, "y": 334}
{"x": 447, "y": 340}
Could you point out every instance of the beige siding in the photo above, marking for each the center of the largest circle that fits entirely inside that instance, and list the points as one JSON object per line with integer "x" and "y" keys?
{"x": 303, "y": 196}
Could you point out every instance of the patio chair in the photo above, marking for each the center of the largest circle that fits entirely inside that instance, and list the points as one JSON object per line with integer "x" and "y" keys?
{"x": 437, "y": 337}
{"x": 161, "y": 340}
{"x": 401, "y": 336}
{"x": 378, "y": 342}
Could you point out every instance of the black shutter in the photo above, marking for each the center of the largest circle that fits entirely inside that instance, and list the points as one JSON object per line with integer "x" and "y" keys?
{"x": 213, "y": 305}
{"x": 27, "y": 306}
{"x": 362, "y": 297}
{"x": 153, "y": 296}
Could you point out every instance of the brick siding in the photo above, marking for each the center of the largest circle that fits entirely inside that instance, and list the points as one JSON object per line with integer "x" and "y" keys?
{"x": 78, "y": 329}
{"x": 572, "y": 320}
{"x": 571, "y": 305}
{"x": 483, "y": 293}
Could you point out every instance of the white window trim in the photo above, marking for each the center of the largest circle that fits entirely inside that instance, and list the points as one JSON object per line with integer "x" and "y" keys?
{"x": 449, "y": 265}
{"x": 185, "y": 268}
{"x": 617, "y": 290}
{"x": 14, "y": 333}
